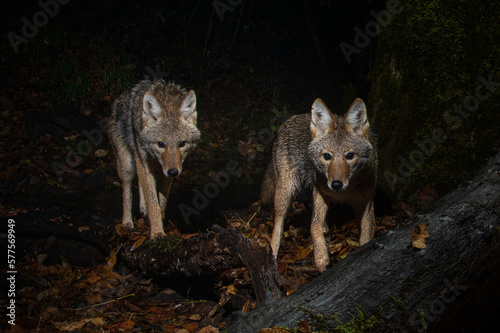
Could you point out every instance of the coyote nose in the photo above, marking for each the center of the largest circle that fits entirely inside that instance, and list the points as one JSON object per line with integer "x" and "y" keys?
{"x": 337, "y": 185}
{"x": 172, "y": 172}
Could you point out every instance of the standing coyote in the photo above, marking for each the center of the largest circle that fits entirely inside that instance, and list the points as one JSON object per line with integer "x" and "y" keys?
{"x": 152, "y": 129}
{"x": 336, "y": 158}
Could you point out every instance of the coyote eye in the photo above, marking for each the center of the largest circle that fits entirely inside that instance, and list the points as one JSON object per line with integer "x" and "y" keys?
{"x": 182, "y": 144}
{"x": 349, "y": 156}
{"x": 161, "y": 144}
{"x": 327, "y": 156}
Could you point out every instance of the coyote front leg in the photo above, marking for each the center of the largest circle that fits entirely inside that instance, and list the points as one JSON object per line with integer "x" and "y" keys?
{"x": 321, "y": 256}
{"x": 366, "y": 221}
{"x": 163, "y": 192}
{"x": 282, "y": 198}
{"x": 148, "y": 185}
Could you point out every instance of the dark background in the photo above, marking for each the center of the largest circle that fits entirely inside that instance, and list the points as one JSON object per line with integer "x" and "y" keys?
{"x": 252, "y": 64}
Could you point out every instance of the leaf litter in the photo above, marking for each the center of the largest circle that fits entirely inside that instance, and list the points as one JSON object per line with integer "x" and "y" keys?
{"x": 108, "y": 298}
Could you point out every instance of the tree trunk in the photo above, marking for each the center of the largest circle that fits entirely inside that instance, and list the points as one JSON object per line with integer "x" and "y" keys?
{"x": 450, "y": 285}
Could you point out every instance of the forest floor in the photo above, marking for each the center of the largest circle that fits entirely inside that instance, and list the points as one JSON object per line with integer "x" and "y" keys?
{"x": 57, "y": 165}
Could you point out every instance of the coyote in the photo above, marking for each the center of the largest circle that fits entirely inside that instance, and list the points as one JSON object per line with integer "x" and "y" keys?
{"x": 152, "y": 129}
{"x": 336, "y": 158}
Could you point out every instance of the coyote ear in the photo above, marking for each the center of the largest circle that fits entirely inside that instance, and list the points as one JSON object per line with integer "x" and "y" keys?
{"x": 355, "y": 119}
{"x": 188, "y": 108}
{"x": 322, "y": 120}
{"x": 151, "y": 109}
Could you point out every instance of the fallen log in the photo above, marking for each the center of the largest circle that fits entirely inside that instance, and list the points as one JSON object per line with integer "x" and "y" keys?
{"x": 82, "y": 238}
{"x": 211, "y": 253}
{"x": 450, "y": 285}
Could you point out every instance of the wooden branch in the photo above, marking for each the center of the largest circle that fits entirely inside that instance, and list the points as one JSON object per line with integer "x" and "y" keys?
{"x": 208, "y": 254}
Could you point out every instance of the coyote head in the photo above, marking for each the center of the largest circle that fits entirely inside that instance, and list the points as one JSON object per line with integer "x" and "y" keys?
{"x": 339, "y": 146}
{"x": 169, "y": 129}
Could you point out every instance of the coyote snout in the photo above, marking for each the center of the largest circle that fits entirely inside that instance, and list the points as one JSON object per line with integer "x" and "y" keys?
{"x": 152, "y": 128}
{"x": 334, "y": 157}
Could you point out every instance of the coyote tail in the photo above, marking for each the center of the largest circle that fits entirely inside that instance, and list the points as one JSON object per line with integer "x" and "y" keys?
{"x": 268, "y": 185}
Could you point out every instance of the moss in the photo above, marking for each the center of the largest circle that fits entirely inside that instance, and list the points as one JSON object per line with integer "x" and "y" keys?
{"x": 429, "y": 60}
{"x": 170, "y": 242}
{"x": 319, "y": 323}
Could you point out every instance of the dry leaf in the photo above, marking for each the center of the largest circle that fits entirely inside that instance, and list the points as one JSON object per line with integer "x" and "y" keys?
{"x": 305, "y": 327}
{"x": 335, "y": 247}
{"x": 110, "y": 263}
{"x": 158, "y": 310}
{"x": 93, "y": 298}
{"x": 248, "y": 306}
{"x": 101, "y": 152}
{"x": 420, "y": 233}
{"x": 208, "y": 329}
{"x": 191, "y": 327}
{"x": 231, "y": 289}
{"x": 138, "y": 243}
{"x": 93, "y": 279}
{"x": 124, "y": 326}
{"x": 195, "y": 317}
{"x": 303, "y": 252}
{"x": 65, "y": 326}
{"x": 121, "y": 230}
{"x": 187, "y": 236}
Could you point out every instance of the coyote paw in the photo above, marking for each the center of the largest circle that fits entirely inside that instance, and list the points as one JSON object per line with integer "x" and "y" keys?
{"x": 322, "y": 260}
{"x": 128, "y": 224}
{"x": 157, "y": 235}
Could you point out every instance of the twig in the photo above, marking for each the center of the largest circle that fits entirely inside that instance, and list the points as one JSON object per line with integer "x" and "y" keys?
{"x": 107, "y": 302}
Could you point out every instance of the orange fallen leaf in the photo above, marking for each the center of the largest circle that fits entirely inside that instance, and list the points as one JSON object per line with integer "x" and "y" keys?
{"x": 121, "y": 230}
{"x": 88, "y": 171}
{"x": 110, "y": 263}
{"x": 191, "y": 326}
{"x": 208, "y": 329}
{"x": 303, "y": 252}
{"x": 231, "y": 289}
{"x": 138, "y": 243}
{"x": 93, "y": 298}
{"x": 305, "y": 327}
{"x": 335, "y": 247}
{"x": 187, "y": 236}
{"x": 158, "y": 310}
{"x": 124, "y": 326}
{"x": 420, "y": 233}
{"x": 248, "y": 306}
{"x": 93, "y": 279}
{"x": 77, "y": 325}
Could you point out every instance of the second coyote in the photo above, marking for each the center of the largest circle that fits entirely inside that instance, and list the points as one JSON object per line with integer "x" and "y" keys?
{"x": 152, "y": 129}
{"x": 334, "y": 157}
